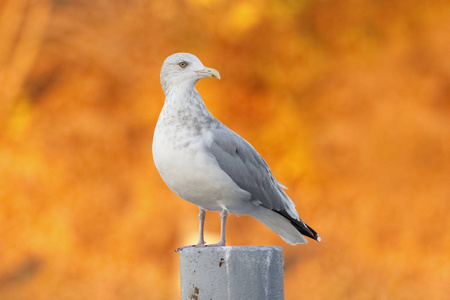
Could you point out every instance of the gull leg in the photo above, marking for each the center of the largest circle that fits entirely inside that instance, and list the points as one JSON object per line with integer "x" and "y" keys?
{"x": 201, "y": 219}
{"x": 223, "y": 223}
{"x": 201, "y": 240}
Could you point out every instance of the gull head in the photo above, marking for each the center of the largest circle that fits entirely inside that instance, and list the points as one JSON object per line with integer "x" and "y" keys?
{"x": 183, "y": 70}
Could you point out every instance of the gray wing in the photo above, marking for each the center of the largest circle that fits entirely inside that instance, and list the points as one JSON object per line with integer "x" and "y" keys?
{"x": 249, "y": 171}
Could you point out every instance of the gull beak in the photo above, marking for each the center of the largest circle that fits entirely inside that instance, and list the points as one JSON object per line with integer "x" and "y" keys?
{"x": 209, "y": 72}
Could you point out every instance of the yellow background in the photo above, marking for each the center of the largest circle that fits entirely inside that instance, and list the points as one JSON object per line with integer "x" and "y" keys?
{"x": 348, "y": 102}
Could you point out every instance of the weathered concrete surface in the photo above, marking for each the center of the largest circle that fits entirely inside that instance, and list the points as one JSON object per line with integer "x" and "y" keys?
{"x": 232, "y": 273}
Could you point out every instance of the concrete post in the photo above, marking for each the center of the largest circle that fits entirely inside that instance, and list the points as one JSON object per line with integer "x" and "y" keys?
{"x": 232, "y": 273}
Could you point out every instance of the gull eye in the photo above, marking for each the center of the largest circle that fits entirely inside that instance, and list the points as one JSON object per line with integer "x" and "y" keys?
{"x": 183, "y": 64}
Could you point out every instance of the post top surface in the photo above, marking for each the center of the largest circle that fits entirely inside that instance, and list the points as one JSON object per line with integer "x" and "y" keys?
{"x": 231, "y": 249}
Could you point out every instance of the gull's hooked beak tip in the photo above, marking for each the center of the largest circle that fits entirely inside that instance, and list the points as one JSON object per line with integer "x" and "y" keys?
{"x": 209, "y": 72}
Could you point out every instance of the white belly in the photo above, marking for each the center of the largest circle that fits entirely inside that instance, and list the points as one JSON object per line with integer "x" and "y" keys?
{"x": 191, "y": 173}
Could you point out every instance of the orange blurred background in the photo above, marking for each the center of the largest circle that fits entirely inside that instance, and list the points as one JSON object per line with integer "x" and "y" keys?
{"x": 348, "y": 102}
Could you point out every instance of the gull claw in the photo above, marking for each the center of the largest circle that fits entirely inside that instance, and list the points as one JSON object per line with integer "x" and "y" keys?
{"x": 190, "y": 246}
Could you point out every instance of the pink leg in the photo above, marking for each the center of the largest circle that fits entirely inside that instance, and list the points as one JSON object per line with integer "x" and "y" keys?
{"x": 223, "y": 222}
{"x": 201, "y": 240}
{"x": 201, "y": 218}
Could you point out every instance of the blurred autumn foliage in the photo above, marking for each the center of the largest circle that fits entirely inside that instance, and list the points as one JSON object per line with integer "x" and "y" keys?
{"x": 348, "y": 101}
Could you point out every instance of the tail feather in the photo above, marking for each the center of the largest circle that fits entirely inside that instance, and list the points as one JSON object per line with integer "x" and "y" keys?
{"x": 301, "y": 226}
{"x": 279, "y": 224}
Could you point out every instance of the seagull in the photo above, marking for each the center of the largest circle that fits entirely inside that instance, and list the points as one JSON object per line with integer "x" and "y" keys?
{"x": 204, "y": 162}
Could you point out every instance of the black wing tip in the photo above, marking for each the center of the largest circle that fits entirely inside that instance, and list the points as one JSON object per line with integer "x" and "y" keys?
{"x": 301, "y": 226}
{"x": 314, "y": 233}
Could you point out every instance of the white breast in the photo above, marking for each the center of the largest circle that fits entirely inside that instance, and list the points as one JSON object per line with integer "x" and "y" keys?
{"x": 189, "y": 171}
